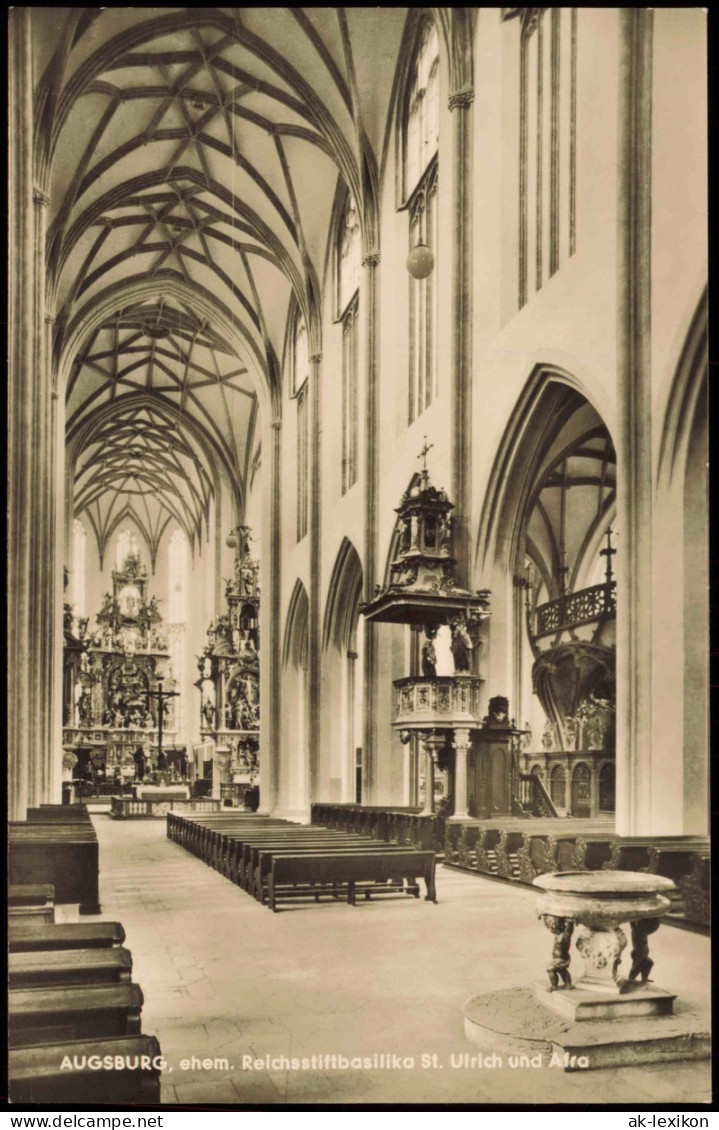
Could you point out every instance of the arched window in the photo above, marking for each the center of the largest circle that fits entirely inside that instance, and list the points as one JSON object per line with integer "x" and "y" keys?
{"x": 422, "y": 129}
{"x": 127, "y": 545}
{"x": 300, "y": 366}
{"x": 348, "y": 279}
{"x": 79, "y": 566}
{"x": 178, "y": 561}
{"x": 421, "y": 143}
{"x": 423, "y": 314}
{"x": 547, "y": 144}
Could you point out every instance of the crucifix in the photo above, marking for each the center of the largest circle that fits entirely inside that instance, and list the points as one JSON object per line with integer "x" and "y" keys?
{"x": 608, "y": 552}
{"x": 423, "y": 453}
{"x": 162, "y": 697}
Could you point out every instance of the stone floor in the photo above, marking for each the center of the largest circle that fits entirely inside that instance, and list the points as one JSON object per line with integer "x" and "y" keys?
{"x": 225, "y": 979}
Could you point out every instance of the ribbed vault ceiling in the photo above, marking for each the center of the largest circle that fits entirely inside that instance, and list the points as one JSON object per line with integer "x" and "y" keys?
{"x": 198, "y": 150}
{"x": 574, "y": 500}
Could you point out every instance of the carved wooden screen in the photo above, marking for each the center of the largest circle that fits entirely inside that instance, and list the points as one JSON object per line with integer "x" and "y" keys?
{"x": 581, "y": 790}
{"x": 607, "y": 788}
{"x": 558, "y": 786}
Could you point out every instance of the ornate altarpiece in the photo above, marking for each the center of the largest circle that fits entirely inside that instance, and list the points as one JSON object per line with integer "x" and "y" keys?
{"x": 229, "y": 681}
{"x": 107, "y": 716}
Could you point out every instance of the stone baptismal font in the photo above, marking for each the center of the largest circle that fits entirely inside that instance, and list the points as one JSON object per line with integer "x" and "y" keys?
{"x": 597, "y": 1006}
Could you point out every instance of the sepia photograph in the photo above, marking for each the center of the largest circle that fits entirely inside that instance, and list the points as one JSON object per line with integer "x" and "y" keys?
{"x": 358, "y": 558}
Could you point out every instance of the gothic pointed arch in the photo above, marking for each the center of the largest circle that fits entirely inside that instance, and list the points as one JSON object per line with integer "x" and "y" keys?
{"x": 343, "y": 596}
{"x": 296, "y": 626}
{"x": 687, "y": 395}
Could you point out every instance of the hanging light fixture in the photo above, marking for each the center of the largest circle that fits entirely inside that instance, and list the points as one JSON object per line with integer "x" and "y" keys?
{"x": 420, "y": 261}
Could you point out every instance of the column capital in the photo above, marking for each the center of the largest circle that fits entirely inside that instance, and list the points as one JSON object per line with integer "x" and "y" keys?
{"x": 315, "y": 358}
{"x": 371, "y": 260}
{"x": 462, "y": 739}
{"x": 40, "y": 197}
{"x": 50, "y": 319}
{"x": 461, "y": 99}
{"x": 276, "y": 425}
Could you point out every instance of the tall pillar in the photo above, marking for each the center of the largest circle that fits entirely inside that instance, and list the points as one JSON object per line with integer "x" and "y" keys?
{"x": 31, "y": 534}
{"x": 460, "y": 103}
{"x": 43, "y": 514}
{"x": 634, "y": 449}
{"x": 62, "y": 490}
{"x": 427, "y": 746}
{"x": 315, "y": 582}
{"x": 270, "y": 648}
{"x": 461, "y": 745}
{"x": 370, "y": 297}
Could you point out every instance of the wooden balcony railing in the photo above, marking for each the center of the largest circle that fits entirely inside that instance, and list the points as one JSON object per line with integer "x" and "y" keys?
{"x": 595, "y": 603}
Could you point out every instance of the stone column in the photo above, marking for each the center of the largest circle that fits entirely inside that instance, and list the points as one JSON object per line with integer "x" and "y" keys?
{"x": 461, "y": 745}
{"x": 460, "y": 103}
{"x": 369, "y": 299}
{"x": 634, "y": 447}
{"x": 315, "y": 582}
{"x": 427, "y": 749}
{"x": 62, "y": 490}
{"x": 270, "y": 624}
{"x": 31, "y": 536}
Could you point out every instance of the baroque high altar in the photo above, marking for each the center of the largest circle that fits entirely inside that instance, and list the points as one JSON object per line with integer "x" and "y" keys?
{"x": 229, "y": 680}
{"x": 109, "y": 723}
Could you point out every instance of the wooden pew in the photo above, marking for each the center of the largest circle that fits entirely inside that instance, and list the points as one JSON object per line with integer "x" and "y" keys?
{"x": 49, "y": 968}
{"x": 246, "y": 850}
{"x": 505, "y": 852}
{"x": 204, "y": 836}
{"x": 44, "y": 1016}
{"x": 240, "y": 843}
{"x": 195, "y": 833}
{"x": 486, "y": 851}
{"x": 294, "y": 875}
{"x": 214, "y": 840}
{"x": 696, "y": 891}
{"x": 35, "y": 1074}
{"x": 62, "y": 854}
{"x": 535, "y": 856}
{"x": 31, "y": 902}
{"x": 261, "y": 856}
{"x": 259, "y": 885}
{"x": 30, "y": 894}
{"x": 58, "y": 814}
{"x": 26, "y": 937}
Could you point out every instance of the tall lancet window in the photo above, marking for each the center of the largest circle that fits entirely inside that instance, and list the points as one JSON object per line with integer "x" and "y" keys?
{"x": 348, "y": 275}
{"x": 178, "y": 569}
{"x": 300, "y": 384}
{"x": 79, "y": 567}
{"x": 420, "y": 185}
{"x": 547, "y": 145}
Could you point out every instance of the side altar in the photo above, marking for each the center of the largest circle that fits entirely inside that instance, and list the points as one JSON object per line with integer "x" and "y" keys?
{"x": 229, "y": 682}
{"x": 111, "y": 726}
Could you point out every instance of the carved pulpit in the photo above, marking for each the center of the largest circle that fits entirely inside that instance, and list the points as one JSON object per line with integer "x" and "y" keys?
{"x": 438, "y": 712}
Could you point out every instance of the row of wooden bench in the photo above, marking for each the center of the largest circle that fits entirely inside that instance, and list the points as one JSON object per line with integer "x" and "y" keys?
{"x": 521, "y": 855}
{"x": 57, "y": 844}
{"x": 277, "y": 861}
{"x": 402, "y": 824}
{"x": 74, "y": 1013}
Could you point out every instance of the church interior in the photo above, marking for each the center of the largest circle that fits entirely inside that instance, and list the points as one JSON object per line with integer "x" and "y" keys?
{"x": 358, "y": 554}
